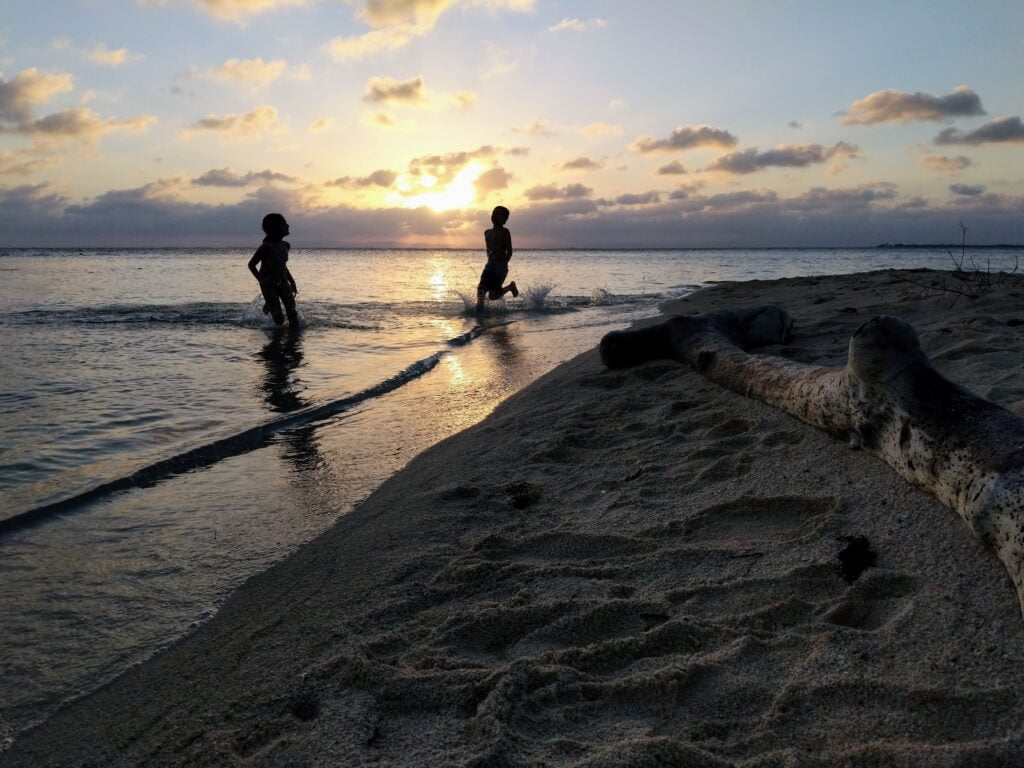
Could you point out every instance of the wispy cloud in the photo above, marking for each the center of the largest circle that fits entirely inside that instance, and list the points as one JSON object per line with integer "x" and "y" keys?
{"x": 256, "y": 123}
{"x": 784, "y": 156}
{"x": 1004, "y": 130}
{"x": 99, "y": 53}
{"x": 577, "y": 25}
{"x": 536, "y": 128}
{"x": 687, "y": 137}
{"x": 943, "y": 164}
{"x": 256, "y": 72}
{"x": 601, "y": 129}
{"x": 492, "y": 180}
{"x": 967, "y": 190}
{"x": 396, "y": 23}
{"x": 891, "y": 106}
{"x": 321, "y": 124}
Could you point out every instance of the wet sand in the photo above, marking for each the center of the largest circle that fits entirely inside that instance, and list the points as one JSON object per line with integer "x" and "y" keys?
{"x": 618, "y": 568}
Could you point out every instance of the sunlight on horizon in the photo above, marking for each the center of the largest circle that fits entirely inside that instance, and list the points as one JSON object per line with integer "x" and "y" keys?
{"x": 458, "y": 194}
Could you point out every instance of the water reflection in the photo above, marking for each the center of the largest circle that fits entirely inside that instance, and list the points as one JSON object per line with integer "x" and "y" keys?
{"x": 439, "y": 288}
{"x": 282, "y": 355}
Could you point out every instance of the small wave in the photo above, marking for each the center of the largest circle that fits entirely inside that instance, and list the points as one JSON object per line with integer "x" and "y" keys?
{"x": 213, "y": 452}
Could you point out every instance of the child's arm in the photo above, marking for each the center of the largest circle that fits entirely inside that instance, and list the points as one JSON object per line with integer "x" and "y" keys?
{"x": 256, "y": 259}
{"x": 291, "y": 280}
{"x": 508, "y": 244}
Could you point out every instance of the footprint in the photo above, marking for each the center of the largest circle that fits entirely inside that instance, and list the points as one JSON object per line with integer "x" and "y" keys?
{"x": 753, "y": 519}
{"x": 877, "y": 599}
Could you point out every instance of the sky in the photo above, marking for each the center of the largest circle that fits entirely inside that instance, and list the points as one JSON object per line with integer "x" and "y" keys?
{"x": 599, "y": 123}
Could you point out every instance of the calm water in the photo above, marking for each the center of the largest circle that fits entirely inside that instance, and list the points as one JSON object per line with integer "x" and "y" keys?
{"x": 116, "y": 362}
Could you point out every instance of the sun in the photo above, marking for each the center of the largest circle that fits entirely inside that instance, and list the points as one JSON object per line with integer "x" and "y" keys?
{"x": 459, "y": 193}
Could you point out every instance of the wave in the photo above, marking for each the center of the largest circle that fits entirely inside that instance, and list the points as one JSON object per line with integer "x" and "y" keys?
{"x": 363, "y": 316}
{"x": 218, "y": 450}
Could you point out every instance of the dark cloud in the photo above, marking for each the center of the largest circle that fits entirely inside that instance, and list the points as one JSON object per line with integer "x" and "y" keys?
{"x": 638, "y": 198}
{"x": 379, "y": 178}
{"x": 675, "y": 168}
{"x": 20, "y": 94}
{"x": 1004, "y": 130}
{"x": 581, "y": 164}
{"x": 891, "y": 106}
{"x": 795, "y": 124}
{"x": 386, "y": 90}
{"x": 552, "y": 192}
{"x": 687, "y": 137}
{"x": 943, "y": 164}
{"x": 156, "y": 214}
{"x": 225, "y": 177}
{"x": 493, "y": 179}
{"x": 784, "y": 156}
{"x": 967, "y": 190}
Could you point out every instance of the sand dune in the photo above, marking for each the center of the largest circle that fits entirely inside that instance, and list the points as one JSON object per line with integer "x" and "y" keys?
{"x": 618, "y": 568}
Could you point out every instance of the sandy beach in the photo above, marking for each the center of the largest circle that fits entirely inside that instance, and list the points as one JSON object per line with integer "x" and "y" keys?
{"x": 618, "y": 568}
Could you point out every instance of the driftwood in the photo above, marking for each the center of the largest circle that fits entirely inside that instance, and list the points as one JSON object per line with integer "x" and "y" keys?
{"x": 888, "y": 399}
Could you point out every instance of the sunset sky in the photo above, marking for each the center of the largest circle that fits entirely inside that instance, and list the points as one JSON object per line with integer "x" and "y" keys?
{"x": 600, "y": 123}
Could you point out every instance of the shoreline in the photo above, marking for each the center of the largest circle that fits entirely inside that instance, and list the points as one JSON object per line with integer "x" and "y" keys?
{"x": 663, "y": 572}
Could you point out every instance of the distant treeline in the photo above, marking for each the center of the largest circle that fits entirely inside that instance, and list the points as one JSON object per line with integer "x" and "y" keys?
{"x": 948, "y": 245}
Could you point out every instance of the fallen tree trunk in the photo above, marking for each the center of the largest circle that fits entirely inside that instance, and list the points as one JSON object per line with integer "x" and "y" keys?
{"x": 888, "y": 399}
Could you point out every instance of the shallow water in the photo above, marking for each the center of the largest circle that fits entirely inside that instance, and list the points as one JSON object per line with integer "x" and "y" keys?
{"x": 116, "y": 362}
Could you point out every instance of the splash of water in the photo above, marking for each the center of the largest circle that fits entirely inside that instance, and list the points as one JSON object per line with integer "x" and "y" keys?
{"x": 253, "y": 316}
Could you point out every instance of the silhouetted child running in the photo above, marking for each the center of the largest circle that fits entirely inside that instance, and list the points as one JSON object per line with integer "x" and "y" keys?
{"x": 499, "y": 251}
{"x": 275, "y": 280}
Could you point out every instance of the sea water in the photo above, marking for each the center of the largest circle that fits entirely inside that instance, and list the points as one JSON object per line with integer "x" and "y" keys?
{"x": 162, "y": 441}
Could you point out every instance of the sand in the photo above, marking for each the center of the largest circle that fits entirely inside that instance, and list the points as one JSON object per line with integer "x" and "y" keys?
{"x": 618, "y": 568}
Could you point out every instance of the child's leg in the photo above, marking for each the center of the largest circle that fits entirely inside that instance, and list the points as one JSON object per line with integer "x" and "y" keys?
{"x": 273, "y": 303}
{"x": 479, "y": 299}
{"x": 288, "y": 299}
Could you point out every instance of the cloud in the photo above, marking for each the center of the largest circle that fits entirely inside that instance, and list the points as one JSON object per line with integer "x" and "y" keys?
{"x": 686, "y": 137}
{"x": 26, "y": 161}
{"x": 601, "y": 129}
{"x": 785, "y": 155}
{"x": 581, "y": 163}
{"x": 498, "y": 61}
{"x": 253, "y": 124}
{"x": 891, "y": 106}
{"x": 943, "y": 164}
{"x": 255, "y": 72}
{"x": 577, "y": 25}
{"x": 675, "y": 168}
{"x": 552, "y": 192}
{"x": 374, "y": 41}
{"x": 321, "y": 124}
{"x": 444, "y": 167}
{"x": 967, "y": 190}
{"x": 492, "y": 180}
{"x": 795, "y": 124}
{"x": 158, "y": 214}
{"x": 78, "y": 123}
{"x": 642, "y": 198}
{"x": 1004, "y": 130}
{"x": 398, "y": 22}
{"x": 225, "y": 177}
{"x": 106, "y": 57}
{"x": 536, "y": 128}
{"x": 237, "y": 10}
{"x": 412, "y": 93}
{"x": 379, "y": 178}
{"x": 27, "y": 89}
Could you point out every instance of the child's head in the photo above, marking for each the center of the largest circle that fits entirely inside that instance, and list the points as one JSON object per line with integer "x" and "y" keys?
{"x": 274, "y": 225}
{"x": 499, "y": 216}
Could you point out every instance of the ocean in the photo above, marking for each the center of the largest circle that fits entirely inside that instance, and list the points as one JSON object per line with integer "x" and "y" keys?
{"x": 162, "y": 441}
